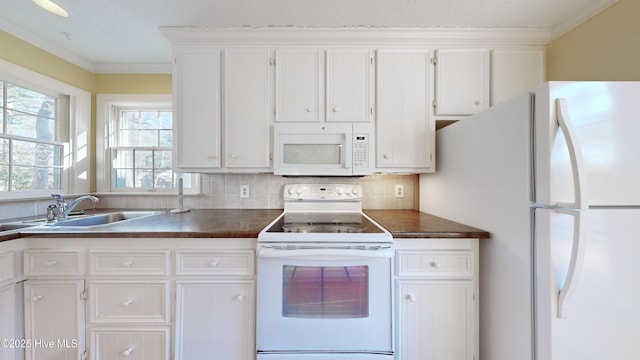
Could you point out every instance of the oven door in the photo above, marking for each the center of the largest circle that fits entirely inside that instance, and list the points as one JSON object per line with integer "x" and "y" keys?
{"x": 324, "y": 301}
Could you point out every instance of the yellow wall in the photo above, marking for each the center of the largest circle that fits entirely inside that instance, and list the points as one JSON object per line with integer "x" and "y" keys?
{"x": 21, "y": 53}
{"x": 606, "y": 47}
{"x": 33, "y": 58}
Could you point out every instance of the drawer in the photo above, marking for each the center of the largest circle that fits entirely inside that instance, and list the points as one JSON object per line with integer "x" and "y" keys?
{"x": 7, "y": 266}
{"x": 435, "y": 263}
{"x": 53, "y": 262}
{"x": 106, "y": 262}
{"x": 238, "y": 263}
{"x": 144, "y": 301}
{"x": 127, "y": 343}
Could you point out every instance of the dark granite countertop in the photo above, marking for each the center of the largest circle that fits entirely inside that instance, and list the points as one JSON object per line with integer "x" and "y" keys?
{"x": 416, "y": 224}
{"x": 242, "y": 223}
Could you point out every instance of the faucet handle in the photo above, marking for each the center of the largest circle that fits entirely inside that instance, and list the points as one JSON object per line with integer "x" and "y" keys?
{"x": 58, "y": 197}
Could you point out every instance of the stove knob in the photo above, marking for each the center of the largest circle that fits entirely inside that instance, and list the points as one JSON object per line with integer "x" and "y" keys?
{"x": 339, "y": 191}
{"x": 354, "y": 191}
{"x": 298, "y": 191}
{"x": 290, "y": 191}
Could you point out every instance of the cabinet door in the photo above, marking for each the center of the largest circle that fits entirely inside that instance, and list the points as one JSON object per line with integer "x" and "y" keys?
{"x": 54, "y": 317}
{"x": 462, "y": 81}
{"x": 8, "y": 322}
{"x": 404, "y": 131}
{"x": 247, "y": 108}
{"x": 298, "y": 87}
{"x": 197, "y": 108}
{"x": 349, "y": 89}
{"x": 514, "y": 72}
{"x": 435, "y": 320}
{"x": 215, "y": 320}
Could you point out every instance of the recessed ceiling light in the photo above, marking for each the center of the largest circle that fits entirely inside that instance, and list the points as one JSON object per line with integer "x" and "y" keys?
{"x": 52, "y": 7}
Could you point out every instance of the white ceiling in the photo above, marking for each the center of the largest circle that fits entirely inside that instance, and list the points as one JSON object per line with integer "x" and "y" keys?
{"x": 122, "y": 35}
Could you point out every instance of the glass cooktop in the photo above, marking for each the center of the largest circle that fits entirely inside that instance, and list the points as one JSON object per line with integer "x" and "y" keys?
{"x": 333, "y": 222}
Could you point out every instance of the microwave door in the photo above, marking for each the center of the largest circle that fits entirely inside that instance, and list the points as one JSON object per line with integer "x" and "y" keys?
{"x": 318, "y": 154}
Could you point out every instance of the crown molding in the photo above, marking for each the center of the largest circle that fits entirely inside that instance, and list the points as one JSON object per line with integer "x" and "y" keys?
{"x": 356, "y": 35}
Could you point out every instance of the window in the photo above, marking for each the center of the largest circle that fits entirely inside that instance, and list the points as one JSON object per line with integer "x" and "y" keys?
{"x": 31, "y": 145}
{"x": 139, "y": 144}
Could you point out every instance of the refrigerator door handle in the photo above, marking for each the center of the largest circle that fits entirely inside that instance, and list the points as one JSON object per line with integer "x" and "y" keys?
{"x": 575, "y": 263}
{"x": 575, "y": 154}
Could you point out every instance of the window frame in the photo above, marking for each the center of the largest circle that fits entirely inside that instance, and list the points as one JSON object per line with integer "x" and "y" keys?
{"x": 73, "y": 131}
{"x": 108, "y": 107}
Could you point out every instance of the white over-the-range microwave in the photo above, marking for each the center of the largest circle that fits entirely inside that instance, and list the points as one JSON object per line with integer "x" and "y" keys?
{"x": 323, "y": 149}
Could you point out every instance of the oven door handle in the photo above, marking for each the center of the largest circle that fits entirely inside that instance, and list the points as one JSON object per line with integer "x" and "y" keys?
{"x": 325, "y": 254}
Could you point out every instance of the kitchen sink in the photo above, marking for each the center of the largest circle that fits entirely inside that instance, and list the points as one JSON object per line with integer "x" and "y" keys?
{"x": 102, "y": 219}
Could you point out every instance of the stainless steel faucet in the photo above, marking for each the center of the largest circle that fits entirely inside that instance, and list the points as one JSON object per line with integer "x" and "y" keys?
{"x": 63, "y": 209}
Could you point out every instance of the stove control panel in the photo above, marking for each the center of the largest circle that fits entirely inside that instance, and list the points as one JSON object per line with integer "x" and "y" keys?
{"x": 322, "y": 192}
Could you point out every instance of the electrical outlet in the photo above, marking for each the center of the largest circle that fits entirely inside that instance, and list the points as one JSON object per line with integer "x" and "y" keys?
{"x": 244, "y": 192}
{"x": 399, "y": 192}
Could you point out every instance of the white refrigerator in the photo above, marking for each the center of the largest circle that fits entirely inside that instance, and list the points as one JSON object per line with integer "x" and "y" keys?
{"x": 554, "y": 176}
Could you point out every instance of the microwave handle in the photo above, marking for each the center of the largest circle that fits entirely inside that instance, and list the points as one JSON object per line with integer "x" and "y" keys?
{"x": 348, "y": 151}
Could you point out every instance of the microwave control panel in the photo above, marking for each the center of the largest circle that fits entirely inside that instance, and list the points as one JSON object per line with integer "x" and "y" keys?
{"x": 361, "y": 151}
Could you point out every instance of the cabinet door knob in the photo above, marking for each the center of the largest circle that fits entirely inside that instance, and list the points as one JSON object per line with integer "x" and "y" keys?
{"x": 36, "y": 297}
{"x": 477, "y": 102}
{"x": 214, "y": 263}
{"x": 127, "y": 352}
{"x": 127, "y": 302}
{"x": 51, "y": 263}
{"x": 240, "y": 297}
{"x": 436, "y": 265}
{"x": 127, "y": 263}
{"x": 411, "y": 298}
{"x": 335, "y": 109}
{"x": 308, "y": 110}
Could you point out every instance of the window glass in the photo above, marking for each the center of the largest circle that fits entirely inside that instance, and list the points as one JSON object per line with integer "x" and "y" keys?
{"x": 143, "y": 157}
{"x": 30, "y": 154}
{"x": 334, "y": 292}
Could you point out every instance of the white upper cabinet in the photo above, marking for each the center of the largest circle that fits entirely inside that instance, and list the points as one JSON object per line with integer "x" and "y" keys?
{"x": 405, "y": 132}
{"x": 197, "y": 108}
{"x": 247, "y": 108}
{"x": 349, "y": 89}
{"x": 298, "y": 86}
{"x": 461, "y": 81}
{"x": 514, "y": 72}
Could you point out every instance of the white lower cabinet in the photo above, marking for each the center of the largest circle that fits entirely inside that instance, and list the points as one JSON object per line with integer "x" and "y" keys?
{"x": 215, "y": 304}
{"x": 129, "y": 304}
{"x": 54, "y": 319}
{"x": 8, "y": 322}
{"x": 436, "y": 284}
{"x": 435, "y": 320}
{"x": 215, "y": 320}
{"x": 54, "y": 304}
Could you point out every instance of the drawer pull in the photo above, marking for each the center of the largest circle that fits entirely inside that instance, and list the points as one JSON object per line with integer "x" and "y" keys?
{"x": 411, "y": 298}
{"x": 127, "y": 263}
{"x": 51, "y": 263}
{"x": 37, "y": 297}
{"x": 436, "y": 265}
{"x": 214, "y": 263}
{"x": 240, "y": 298}
{"x": 127, "y": 302}
{"x": 127, "y": 352}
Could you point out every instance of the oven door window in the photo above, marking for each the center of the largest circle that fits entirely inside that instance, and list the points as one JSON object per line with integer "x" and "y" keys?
{"x": 325, "y": 292}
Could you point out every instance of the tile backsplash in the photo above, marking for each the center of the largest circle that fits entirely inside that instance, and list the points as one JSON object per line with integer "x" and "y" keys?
{"x": 222, "y": 191}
